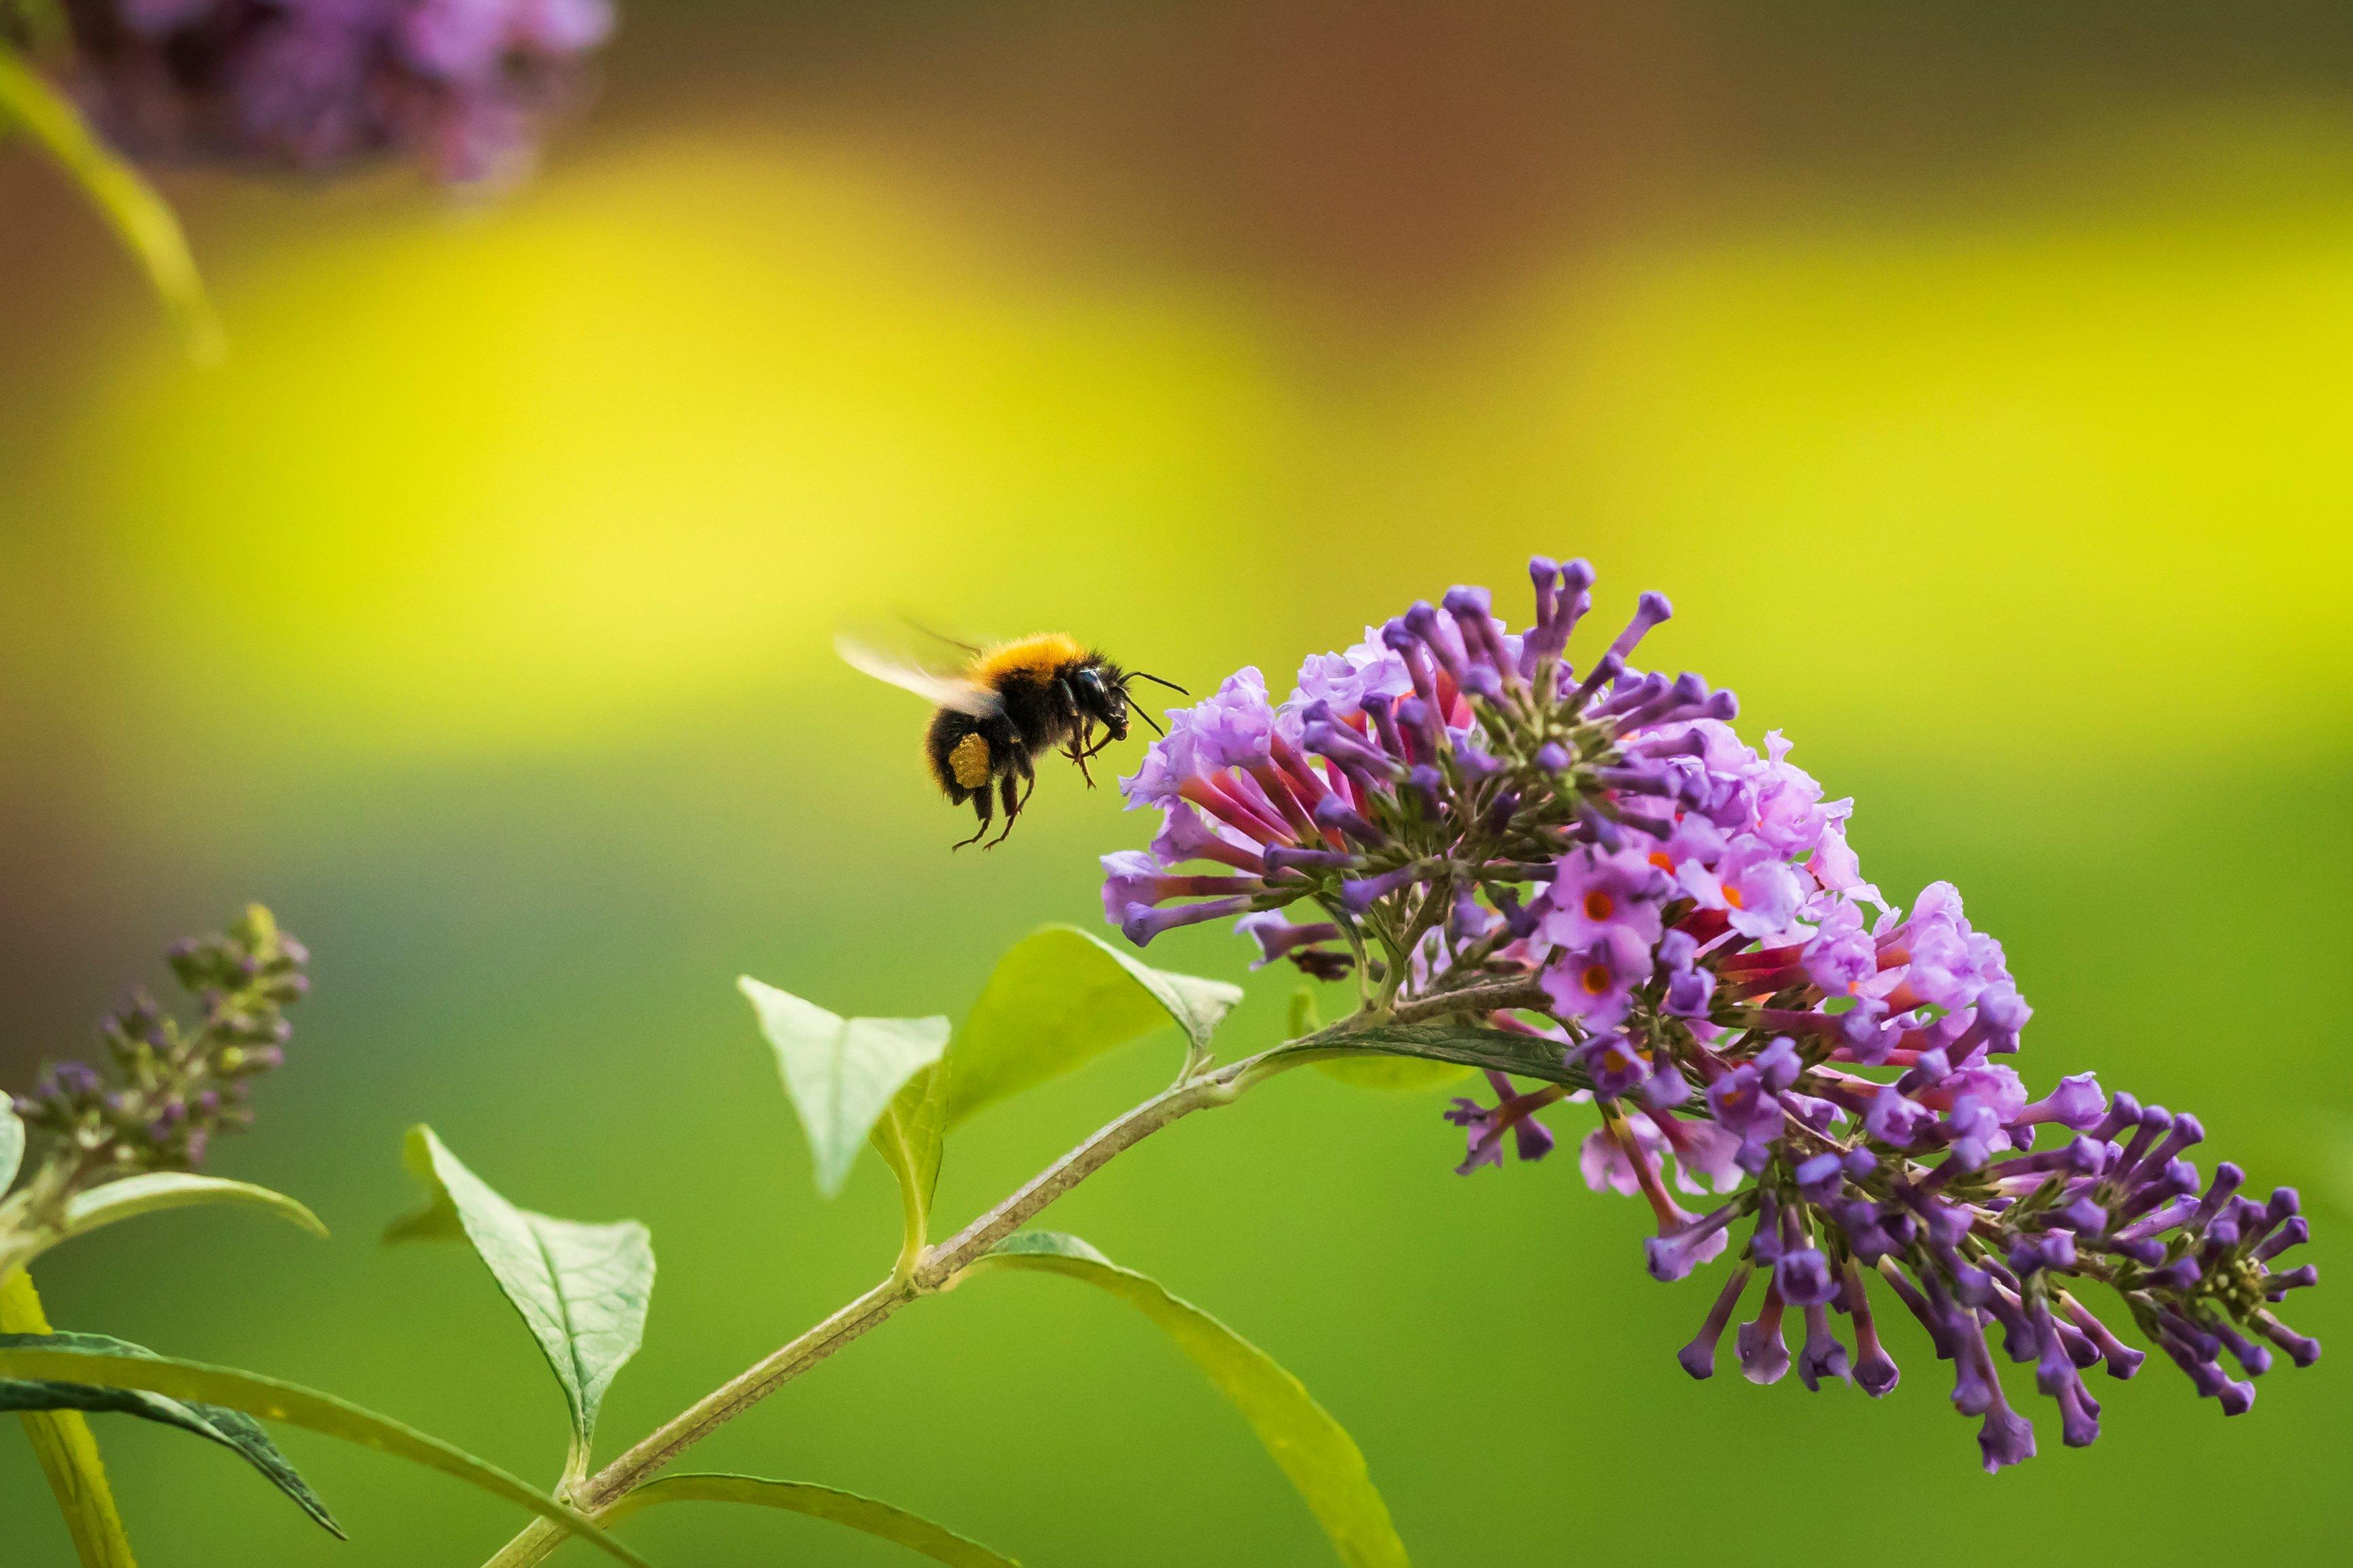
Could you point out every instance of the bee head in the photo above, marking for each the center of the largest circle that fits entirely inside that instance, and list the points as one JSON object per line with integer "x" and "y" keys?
{"x": 1102, "y": 699}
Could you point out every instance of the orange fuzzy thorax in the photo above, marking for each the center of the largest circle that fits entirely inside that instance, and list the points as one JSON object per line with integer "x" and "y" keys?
{"x": 1039, "y": 655}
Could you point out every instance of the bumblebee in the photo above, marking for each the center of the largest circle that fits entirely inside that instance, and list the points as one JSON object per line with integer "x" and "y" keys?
{"x": 1007, "y": 706}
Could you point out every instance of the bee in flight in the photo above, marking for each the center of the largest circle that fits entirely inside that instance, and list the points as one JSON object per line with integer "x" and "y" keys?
{"x": 1007, "y": 707}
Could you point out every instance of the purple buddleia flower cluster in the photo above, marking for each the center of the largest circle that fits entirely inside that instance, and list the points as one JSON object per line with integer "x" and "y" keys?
{"x": 1675, "y": 925}
{"x": 166, "y": 1088}
{"x": 460, "y": 86}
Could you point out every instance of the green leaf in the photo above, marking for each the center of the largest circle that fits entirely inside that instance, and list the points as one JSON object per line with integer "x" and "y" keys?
{"x": 841, "y": 1074}
{"x": 1522, "y": 1055}
{"x": 232, "y": 1430}
{"x": 1322, "y": 1461}
{"x": 151, "y": 1193}
{"x": 12, "y": 1144}
{"x": 271, "y": 1400}
{"x": 896, "y": 1524}
{"x": 582, "y": 1289}
{"x": 65, "y": 1448}
{"x": 1393, "y": 1075}
{"x": 140, "y": 217}
{"x": 1060, "y": 998}
{"x": 909, "y": 1135}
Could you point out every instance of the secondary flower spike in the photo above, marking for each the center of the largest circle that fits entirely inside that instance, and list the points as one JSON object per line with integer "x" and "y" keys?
{"x": 1690, "y": 934}
{"x": 458, "y": 86}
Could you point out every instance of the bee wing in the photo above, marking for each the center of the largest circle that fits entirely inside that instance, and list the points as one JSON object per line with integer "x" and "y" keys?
{"x": 942, "y": 690}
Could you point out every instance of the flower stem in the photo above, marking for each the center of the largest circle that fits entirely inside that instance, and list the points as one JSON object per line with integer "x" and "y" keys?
{"x": 939, "y": 1267}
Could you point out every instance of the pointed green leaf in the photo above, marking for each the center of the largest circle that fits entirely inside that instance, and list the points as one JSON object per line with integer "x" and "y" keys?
{"x": 1393, "y": 1075}
{"x": 909, "y": 1135}
{"x": 582, "y": 1289}
{"x": 161, "y": 1190}
{"x": 896, "y": 1524}
{"x": 1060, "y": 998}
{"x": 68, "y": 1452}
{"x": 841, "y": 1073}
{"x": 270, "y": 1400}
{"x": 141, "y": 218}
{"x": 233, "y": 1430}
{"x": 12, "y": 1144}
{"x": 1322, "y": 1461}
{"x": 1522, "y": 1055}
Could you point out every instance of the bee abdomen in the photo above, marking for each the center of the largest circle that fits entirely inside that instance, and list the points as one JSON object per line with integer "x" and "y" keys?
{"x": 953, "y": 736}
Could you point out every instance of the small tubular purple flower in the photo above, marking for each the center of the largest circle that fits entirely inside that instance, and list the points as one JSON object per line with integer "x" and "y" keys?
{"x": 1764, "y": 1353}
{"x": 1758, "y": 893}
{"x": 1595, "y": 985}
{"x": 2076, "y": 1103}
{"x": 1128, "y": 878}
{"x": 1344, "y": 681}
{"x": 1486, "y": 1124}
{"x": 1698, "y": 1358}
{"x": 1804, "y": 1278}
{"x": 1140, "y": 924}
{"x": 1185, "y": 837}
{"x": 1675, "y": 1254}
{"x": 1840, "y": 955}
{"x": 1649, "y": 611}
{"x": 1822, "y": 1358}
{"x": 1613, "y": 1066}
{"x": 2005, "y": 1438}
{"x": 1596, "y": 892}
{"x": 1334, "y": 813}
{"x": 1358, "y": 895}
{"x": 1278, "y": 937}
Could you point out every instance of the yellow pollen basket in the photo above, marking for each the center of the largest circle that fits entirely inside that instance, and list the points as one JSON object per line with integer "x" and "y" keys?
{"x": 970, "y": 762}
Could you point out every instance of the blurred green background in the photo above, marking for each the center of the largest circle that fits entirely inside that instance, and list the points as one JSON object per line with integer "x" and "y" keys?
{"x": 1973, "y": 378}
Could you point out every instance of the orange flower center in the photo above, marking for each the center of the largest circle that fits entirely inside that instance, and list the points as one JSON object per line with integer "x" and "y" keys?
{"x": 1595, "y": 979}
{"x": 1600, "y": 906}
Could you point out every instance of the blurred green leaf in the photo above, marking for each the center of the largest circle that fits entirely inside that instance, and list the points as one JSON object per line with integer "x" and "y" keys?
{"x": 1322, "y": 1461}
{"x": 1060, "y": 998}
{"x": 841, "y": 1074}
{"x": 12, "y": 1144}
{"x": 161, "y": 1190}
{"x": 271, "y": 1400}
{"x": 1522, "y": 1055}
{"x": 140, "y": 217}
{"x": 65, "y": 1448}
{"x": 232, "y": 1430}
{"x": 40, "y": 23}
{"x": 857, "y": 1512}
{"x": 583, "y": 1289}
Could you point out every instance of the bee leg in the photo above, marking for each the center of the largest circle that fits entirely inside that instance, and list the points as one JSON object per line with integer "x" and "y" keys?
{"x": 1080, "y": 757}
{"x": 980, "y": 806}
{"x": 1012, "y": 807}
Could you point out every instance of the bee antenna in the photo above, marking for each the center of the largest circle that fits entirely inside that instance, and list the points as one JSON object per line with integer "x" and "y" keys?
{"x": 1153, "y": 722}
{"x": 1139, "y": 675}
{"x": 940, "y": 636}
